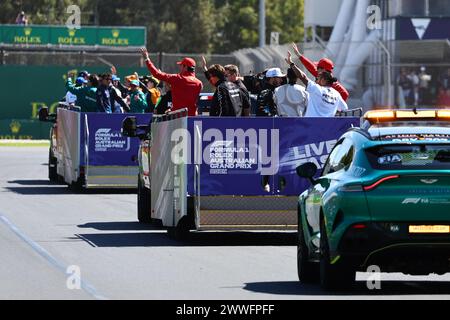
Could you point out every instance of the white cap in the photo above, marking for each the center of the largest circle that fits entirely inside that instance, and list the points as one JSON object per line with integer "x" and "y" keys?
{"x": 274, "y": 73}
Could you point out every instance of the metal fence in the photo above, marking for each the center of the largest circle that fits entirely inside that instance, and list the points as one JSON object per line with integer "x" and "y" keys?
{"x": 374, "y": 82}
{"x": 165, "y": 61}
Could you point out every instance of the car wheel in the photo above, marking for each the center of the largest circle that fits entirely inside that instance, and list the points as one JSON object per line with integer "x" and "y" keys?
{"x": 143, "y": 203}
{"x": 308, "y": 272}
{"x": 339, "y": 276}
{"x": 52, "y": 162}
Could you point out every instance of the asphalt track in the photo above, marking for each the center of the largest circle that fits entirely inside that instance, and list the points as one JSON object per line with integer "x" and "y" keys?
{"x": 45, "y": 228}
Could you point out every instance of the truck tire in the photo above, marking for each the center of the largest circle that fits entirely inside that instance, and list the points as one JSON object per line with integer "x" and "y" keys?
{"x": 307, "y": 271}
{"x": 182, "y": 230}
{"x": 143, "y": 203}
{"x": 78, "y": 186}
{"x": 333, "y": 277}
{"x": 52, "y": 163}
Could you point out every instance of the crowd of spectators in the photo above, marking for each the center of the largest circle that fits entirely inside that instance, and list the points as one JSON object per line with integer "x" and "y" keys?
{"x": 423, "y": 87}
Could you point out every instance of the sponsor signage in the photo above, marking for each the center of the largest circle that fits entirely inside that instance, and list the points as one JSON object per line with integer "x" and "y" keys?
{"x": 61, "y": 35}
{"x": 423, "y": 28}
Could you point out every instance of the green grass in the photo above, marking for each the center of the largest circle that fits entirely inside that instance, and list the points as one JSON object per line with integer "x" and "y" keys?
{"x": 24, "y": 143}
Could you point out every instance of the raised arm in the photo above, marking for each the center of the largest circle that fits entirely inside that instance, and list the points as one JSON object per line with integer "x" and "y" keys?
{"x": 309, "y": 65}
{"x": 205, "y": 68}
{"x": 158, "y": 74}
{"x": 70, "y": 86}
{"x": 300, "y": 74}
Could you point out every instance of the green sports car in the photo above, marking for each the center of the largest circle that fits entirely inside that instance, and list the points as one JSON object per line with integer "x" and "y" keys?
{"x": 382, "y": 199}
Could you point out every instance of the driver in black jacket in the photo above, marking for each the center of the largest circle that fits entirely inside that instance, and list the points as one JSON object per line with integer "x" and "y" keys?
{"x": 228, "y": 100}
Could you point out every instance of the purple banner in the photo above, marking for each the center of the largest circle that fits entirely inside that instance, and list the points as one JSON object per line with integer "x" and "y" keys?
{"x": 239, "y": 156}
{"x": 101, "y": 137}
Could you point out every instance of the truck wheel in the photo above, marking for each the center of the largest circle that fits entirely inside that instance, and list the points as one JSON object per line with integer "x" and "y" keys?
{"x": 308, "y": 272}
{"x": 339, "y": 276}
{"x": 181, "y": 231}
{"x": 78, "y": 186}
{"x": 143, "y": 203}
{"x": 52, "y": 163}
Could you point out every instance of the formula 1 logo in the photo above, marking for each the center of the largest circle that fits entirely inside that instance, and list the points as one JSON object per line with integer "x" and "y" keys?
{"x": 415, "y": 201}
{"x": 108, "y": 140}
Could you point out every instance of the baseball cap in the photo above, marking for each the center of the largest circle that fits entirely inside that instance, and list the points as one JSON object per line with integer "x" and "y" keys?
{"x": 83, "y": 74}
{"x": 154, "y": 80}
{"x": 325, "y": 64}
{"x": 81, "y": 80}
{"x": 115, "y": 78}
{"x": 274, "y": 73}
{"x": 134, "y": 83}
{"x": 189, "y": 62}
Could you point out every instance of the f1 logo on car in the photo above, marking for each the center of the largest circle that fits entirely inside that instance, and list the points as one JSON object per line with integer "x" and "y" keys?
{"x": 414, "y": 200}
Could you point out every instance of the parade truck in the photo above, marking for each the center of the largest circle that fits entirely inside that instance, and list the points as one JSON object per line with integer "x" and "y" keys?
{"x": 87, "y": 149}
{"x": 211, "y": 173}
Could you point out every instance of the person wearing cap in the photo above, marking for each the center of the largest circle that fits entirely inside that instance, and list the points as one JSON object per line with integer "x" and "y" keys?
{"x": 323, "y": 100}
{"x": 186, "y": 87}
{"x": 71, "y": 98}
{"x": 84, "y": 74}
{"x": 266, "y": 104}
{"x": 107, "y": 96}
{"x": 22, "y": 19}
{"x": 317, "y": 67}
{"x": 149, "y": 86}
{"x": 228, "y": 99}
{"x": 138, "y": 102}
{"x": 85, "y": 94}
{"x": 121, "y": 91}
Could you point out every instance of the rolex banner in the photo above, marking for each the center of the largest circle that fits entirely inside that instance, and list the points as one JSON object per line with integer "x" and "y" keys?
{"x": 61, "y": 35}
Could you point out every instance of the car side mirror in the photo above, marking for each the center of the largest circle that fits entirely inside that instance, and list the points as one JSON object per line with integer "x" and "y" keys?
{"x": 129, "y": 127}
{"x": 308, "y": 171}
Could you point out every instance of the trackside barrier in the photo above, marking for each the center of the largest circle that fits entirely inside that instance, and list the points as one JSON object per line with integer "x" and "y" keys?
{"x": 91, "y": 152}
{"x": 235, "y": 173}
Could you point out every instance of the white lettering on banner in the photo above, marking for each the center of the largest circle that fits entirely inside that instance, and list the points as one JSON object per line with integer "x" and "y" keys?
{"x": 253, "y": 149}
{"x": 313, "y": 152}
{"x": 108, "y": 140}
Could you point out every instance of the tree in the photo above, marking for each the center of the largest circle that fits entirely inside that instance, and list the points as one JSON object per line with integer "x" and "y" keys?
{"x": 194, "y": 26}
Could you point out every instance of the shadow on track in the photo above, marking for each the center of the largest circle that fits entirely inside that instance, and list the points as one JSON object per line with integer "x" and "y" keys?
{"x": 32, "y": 182}
{"x": 46, "y": 187}
{"x": 39, "y": 190}
{"x": 388, "y": 288}
{"x": 158, "y": 237}
{"x": 118, "y": 226}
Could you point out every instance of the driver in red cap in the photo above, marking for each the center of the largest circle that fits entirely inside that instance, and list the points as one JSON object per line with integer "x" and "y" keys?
{"x": 186, "y": 87}
{"x": 316, "y": 68}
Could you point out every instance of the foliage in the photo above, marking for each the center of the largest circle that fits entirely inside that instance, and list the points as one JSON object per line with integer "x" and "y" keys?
{"x": 193, "y": 26}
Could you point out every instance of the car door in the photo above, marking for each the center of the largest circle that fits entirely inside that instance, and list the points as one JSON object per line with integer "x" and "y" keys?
{"x": 313, "y": 202}
{"x": 339, "y": 160}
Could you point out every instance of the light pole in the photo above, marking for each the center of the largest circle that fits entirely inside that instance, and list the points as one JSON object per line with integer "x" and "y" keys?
{"x": 262, "y": 23}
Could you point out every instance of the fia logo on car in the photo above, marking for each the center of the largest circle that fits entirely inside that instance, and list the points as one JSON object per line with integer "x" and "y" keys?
{"x": 429, "y": 181}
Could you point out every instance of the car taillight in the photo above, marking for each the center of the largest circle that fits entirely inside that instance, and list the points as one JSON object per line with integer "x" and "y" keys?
{"x": 359, "y": 226}
{"x": 376, "y": 184}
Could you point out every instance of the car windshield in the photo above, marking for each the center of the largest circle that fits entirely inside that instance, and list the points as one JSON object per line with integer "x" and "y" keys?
{"x": 409, "y": 157}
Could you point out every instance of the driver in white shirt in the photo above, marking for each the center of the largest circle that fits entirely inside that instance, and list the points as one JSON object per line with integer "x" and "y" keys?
{"x": 291, "y": 99}
{"x": 324, "y": 101}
